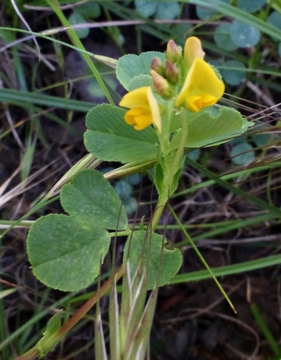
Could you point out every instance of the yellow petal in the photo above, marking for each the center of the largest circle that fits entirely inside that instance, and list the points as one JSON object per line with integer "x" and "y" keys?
{"x": 131, "y": 114}
{"x": 196, "y": 103}
{"x": 144, "y": 109}
{"x": 156, "y": 117}
{"x": 201, "y": 88}
{"x": 139, "y": 118}
{"x": 143, "y": 121}
{"x": 192, "y": 50}
{"x": 135, "y": 98}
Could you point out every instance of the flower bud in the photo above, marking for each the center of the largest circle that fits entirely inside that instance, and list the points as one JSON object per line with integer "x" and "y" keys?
{"x": 157, "y": 66}
{"x": 173, "y": 52}
{"x": 161, "y": 85}
{"x": 192, "y": 50}
{"x": 171, "y": 72}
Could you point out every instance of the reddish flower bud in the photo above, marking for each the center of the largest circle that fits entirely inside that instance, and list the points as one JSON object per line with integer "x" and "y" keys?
{"x": 173, "y": 52}
{"x": 161, "y": 85}
{"x": 171, "y": 72}
{"x": 157, "y": 66}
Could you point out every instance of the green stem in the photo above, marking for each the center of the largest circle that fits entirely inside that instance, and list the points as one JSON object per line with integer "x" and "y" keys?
{"x": 162, "y": 201}
{"x": 170, "y": 166}
{"x": 52, "y": 340}
{"x": 182, "y": 144}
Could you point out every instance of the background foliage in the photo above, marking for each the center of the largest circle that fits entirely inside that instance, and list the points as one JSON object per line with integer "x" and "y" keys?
{"x": 228, "y": 198}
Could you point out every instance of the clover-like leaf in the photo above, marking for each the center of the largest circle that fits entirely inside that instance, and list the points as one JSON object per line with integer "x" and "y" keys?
{"x": 65, "y": 253}
{"x": 110, "y": 138}
{"x": 162, "y": 264}
{"x": 130, "y": 66}
{"x": 90, "y": 197}
{"x": 211, "y": 127}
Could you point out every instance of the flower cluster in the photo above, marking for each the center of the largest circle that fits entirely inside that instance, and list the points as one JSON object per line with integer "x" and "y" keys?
{"x": 187, "y": 80}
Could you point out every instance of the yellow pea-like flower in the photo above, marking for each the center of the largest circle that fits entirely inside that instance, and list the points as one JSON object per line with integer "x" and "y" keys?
{"x": 202, "y": 87}
{"x": 144, "y": 109}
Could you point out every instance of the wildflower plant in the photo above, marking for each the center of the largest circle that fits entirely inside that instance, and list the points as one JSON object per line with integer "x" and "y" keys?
{"x": 171, "y": 107}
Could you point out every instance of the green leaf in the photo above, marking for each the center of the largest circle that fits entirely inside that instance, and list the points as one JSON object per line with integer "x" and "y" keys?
{"x": 90, "y": 197}
{"x": 275, "y": 19}
{"x": 76, "y": 18}
{"x": 212, "y": 127}
{"x": 168, "y": 10}
{"x": 251, "y": 6}
{"x": 223, "y": 39}
{"x": 235, "y": 72}
{"x": 242, "y": 153}
{"x": 207, "y": 14}
{"x": 262, "y": 140}
{"x": 162, "y": 264}
{"x": 146, "y": 8}
{"x": 123, "y": 189}
{"x": 52, "y": 326}
{"x": 244, "y": 35}
{"x": 236, "y": 13}
{"x": 109, "y": 138}
{"x": 89, "y": 9}
{"x": 140, "y": 81}
{"x": 130, "y": 66}
{"x": 65, "y": 253}
{"x": 131, "y": 205}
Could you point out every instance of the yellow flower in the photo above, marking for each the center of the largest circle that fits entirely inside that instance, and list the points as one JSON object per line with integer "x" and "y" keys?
{"x": 144, "y": 109}
{"x": 202, "y": 87}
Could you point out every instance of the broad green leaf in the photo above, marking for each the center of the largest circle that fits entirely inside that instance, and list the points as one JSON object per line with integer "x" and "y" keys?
{"x": 109, "y": 138}
{"x": 90, "y": 197}
{"x": 130, "y": 66}
{"x": 162, "y": 264}
{"x": 208, "y": 128}
{"x": 140, "y": 81}
{"x": 223, "y": 39}
{"x": 244, "y": 35}
{"x": 65, "y": 253}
